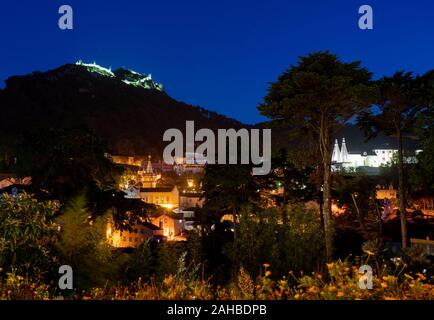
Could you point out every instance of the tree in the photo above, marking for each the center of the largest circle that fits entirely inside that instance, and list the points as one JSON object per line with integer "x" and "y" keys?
{"x": 422, "y": 177}
{"x": 83, "y": 246}
{"x": 295, "y": 243}
{"x": 168, "y": 254}
{"x": 399, "y": 103}
{"x": 298, "y": 182}
{"x": 27, "y": 233}
{"x": 65, "y": 161}
{"x": 358, "y": 192}
{"x": 319, "y": 95}
{"x": 229, "y": 189}
{"x": 141, "y": 263}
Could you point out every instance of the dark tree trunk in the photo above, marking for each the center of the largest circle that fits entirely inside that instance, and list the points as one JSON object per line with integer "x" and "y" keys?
{"x": 401, "y": 191}
{"x": 362, "y": 224}
{"x": 327, "y": 210}
{"x": 325, "y": 144}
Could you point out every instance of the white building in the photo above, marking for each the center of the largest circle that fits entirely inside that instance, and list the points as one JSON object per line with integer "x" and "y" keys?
{"x": 342, "y": 158}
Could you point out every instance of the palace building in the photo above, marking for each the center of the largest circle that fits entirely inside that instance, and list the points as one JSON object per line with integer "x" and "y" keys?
{"x": 374, "y": 158}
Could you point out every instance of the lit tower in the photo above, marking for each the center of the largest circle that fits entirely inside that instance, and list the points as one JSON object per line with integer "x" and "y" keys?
{"x": 344, "y": 151}
{"x": 148, "y": 177}
{"x": 336, "y": 155}
{"x": 149, "y": 166}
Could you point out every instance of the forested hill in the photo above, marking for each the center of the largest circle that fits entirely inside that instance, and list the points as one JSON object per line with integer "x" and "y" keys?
{"x": 128, "y": 109}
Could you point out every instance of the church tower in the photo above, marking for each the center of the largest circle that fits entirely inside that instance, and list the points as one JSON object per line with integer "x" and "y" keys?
{"x": 147, "y": 176}
{"x": 149, "y": 166}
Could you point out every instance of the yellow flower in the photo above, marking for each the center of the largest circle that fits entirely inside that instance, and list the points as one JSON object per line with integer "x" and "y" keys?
{"x": 384, "y": 284}
{"x": 266, "y": 265}
{"x": 312, "y": 289}
{"x": 268, "y": 273}
{"x": 168, "y": 280}
{"x": 340, "y": 294}
{"x": 408, "y": 276}
{"x": 330, "y": 265}
{"x": 370, "y": 253}
{"x": 421, "y": 276}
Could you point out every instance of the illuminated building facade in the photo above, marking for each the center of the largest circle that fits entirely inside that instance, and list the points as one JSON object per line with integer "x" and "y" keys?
{"x": 167, "y": 197}
{"x": 133, "y": 237}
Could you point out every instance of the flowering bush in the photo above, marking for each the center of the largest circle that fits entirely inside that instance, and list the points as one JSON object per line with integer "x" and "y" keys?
{"x": 16, "y": 287}
{"x": 341, "y": 282}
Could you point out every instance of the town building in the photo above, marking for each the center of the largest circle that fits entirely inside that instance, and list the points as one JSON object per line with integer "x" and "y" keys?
{"x": 167, "y": 197}
{"x": 132, "y": 238}
{"x": 172, "y": 226}
{"x": 191, "y": 200}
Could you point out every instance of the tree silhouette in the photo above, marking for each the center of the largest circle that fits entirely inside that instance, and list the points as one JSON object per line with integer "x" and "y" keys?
{"x": 229, "y": 189}
{"x": 64, "y": 162}
{"x": 319, "y": 95}
{"x": 399, "y": 104}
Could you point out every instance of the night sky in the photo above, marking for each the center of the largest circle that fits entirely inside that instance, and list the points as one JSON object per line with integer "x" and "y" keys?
{"x": 216, "y": 54}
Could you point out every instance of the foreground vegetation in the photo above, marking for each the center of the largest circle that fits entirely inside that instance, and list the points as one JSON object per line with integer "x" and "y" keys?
{"x": 37, "y": 238}
{"x": 341, "y": 283}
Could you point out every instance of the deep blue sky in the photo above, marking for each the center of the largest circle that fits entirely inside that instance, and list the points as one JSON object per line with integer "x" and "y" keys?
{"x": 218, "y": 54}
